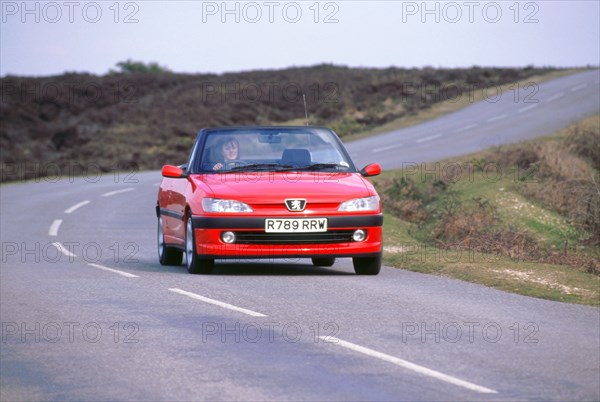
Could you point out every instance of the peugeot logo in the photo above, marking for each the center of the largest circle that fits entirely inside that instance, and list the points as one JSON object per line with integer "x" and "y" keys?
{"x": 295, "y": 205}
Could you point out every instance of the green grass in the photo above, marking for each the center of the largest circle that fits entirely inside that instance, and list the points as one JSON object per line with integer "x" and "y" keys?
{"x": 545, "y": 281}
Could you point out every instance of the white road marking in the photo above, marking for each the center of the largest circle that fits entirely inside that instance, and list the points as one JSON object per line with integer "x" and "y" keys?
{"x": 555, "y": 97}
{"x": 116, "y": 271}
{"x": 63, "y": 249}
{"x": 465, "y": 128}
{"x": 76, "y": 206}
{"x": 117, "y": 192}
{"x": 526, "y": 108}
{"x": 502, "y": 116}
{"x": 53, "y": 231}
{"x": 408, "y": 365}
{"x": 375, "y": 150}
{"x": 578, "y": 87}
{"x": 217, "y": 303}
{"x": 432, "y": 137}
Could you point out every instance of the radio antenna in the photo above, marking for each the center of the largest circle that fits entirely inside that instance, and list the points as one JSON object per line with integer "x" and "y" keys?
{"x": 305, "y": 109}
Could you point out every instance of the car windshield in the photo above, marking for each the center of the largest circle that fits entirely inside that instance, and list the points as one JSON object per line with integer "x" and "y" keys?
{"x": 273, "y": 149}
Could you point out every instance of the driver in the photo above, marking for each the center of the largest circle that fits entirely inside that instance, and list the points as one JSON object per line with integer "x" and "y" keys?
{"x": 228, "y": 152}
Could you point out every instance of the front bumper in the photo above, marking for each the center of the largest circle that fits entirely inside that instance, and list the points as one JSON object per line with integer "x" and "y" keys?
{"x": 257, "y": 244}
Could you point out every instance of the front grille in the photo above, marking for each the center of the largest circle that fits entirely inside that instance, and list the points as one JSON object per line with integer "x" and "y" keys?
{"x": 334, "y": 236}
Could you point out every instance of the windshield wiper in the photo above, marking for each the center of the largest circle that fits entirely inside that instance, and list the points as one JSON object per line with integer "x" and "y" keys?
{"x": 317, "y": 166}
{"x": 258, "y": 167}
{"x": 277, "y": 167}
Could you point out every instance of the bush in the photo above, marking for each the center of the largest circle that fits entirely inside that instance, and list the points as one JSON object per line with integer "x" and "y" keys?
{"x": 585, "y": 143}
{"x": 403, "y": 198}
{"x": 130, "y": 66}
{"x": 456, "y": 222}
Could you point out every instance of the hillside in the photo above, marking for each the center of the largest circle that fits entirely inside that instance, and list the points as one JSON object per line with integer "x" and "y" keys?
{"x": 144, "y": 120}
{"x": 534, "y": 230}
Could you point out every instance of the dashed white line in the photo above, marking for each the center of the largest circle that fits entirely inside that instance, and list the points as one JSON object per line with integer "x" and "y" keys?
{"x": 63, "y": 249}
{"x": 555, "y": 97}
{"x": 117, "y": 192}
{"x": 53, "y": 231}
{"x": 408, "y": 365}
{"x": 502, "y": 116}
{"x": 76, "y": 206}
{"x": 116, "y": 271}
{"x": 217, "y": 303}
{"x": 465, "y": 128}
{"x": 526, "y": 108}
{"x": 432, "y": 137}
{"x": 578, "y": 87}
{"x": 381, "y": 149}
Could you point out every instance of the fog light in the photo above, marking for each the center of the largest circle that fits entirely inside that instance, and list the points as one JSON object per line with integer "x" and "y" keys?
{"x": 228, "y": 237}
{"x": 359, "y": 235}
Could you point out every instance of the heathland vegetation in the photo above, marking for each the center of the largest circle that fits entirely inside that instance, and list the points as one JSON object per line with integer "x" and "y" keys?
{"x": 143, "y": 116}
{"x": 523, "y": 217}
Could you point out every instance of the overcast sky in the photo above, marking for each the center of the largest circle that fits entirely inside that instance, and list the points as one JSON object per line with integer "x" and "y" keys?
{"x": 48, "y": 38}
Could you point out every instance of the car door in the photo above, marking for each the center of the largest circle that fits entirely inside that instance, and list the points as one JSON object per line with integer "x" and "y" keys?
{"x": 177, "y": 203}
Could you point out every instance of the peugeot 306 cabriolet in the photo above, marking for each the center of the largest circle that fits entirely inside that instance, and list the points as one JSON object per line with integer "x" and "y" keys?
{"x": 269, "y": 192}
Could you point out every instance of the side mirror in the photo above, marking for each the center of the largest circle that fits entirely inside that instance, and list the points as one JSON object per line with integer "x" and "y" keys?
{"x": 372, "y": 169}
{"x": 174, "y": 172}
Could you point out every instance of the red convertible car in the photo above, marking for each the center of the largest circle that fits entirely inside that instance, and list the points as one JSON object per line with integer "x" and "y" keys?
{"x": 269, "y": 192}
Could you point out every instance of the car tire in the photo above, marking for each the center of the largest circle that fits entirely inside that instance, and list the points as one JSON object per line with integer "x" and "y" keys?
{"x": 367, "y": 265}
{"x": 166, "y": 255}
{"x": 195, "y": 265}
{"x": 323, "y": 262}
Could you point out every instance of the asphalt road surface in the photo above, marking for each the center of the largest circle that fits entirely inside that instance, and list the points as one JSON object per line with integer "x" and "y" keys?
{"x": 512, "y": 115}
{"x": 102, "y": 320}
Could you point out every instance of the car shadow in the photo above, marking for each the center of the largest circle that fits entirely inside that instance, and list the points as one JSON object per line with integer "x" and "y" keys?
{"x": 252, "y": 268}
{"x": 248, "y": 268}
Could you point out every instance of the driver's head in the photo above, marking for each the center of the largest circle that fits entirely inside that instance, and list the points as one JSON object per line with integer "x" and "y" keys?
{"x": 230, "y": 148}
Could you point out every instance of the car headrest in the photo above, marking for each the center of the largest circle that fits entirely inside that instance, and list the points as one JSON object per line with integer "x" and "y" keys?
{"x": 296, "y": 157}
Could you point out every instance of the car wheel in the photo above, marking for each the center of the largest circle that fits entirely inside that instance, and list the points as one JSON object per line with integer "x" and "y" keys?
{"x": 167, "y": 255}
{"x": 194, "y": 264}
{"x": 367, "y": 265}
{"x": 323, "y": 262}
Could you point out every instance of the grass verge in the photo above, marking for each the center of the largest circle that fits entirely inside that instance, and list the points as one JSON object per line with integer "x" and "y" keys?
{"x": 533, "y": 229}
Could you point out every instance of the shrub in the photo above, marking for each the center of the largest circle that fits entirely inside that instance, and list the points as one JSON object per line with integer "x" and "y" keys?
{"x": 585, "y": 143}
{"x": 129, "y": 66}
{"x": 406, "y": 200}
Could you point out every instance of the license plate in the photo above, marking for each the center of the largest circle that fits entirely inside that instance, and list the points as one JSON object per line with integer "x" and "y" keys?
{"x": 304, "y": 225}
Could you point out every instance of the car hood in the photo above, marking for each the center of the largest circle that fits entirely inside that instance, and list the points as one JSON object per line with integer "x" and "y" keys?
{"x": 272, "y": 187}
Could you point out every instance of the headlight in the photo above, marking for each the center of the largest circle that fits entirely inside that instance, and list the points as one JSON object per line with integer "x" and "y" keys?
{"x": 360, "y": 204}
{"x": 217, "y": 205}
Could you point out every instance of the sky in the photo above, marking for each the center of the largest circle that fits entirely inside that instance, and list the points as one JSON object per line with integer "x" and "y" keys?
{"x": 41, "y": 38}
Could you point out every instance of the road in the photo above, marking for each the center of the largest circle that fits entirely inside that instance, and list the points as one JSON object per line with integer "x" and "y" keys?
{"x": 509, "y": 116}
{"x": 102, "y": 320}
